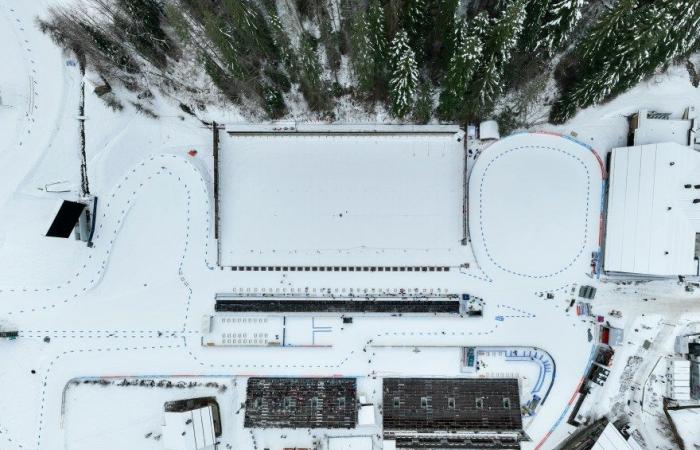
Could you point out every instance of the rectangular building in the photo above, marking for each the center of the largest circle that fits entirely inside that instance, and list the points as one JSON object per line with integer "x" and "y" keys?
{"x": 653, "y": 211}
{"x": 301, "y": 403}
{"x": 451, "y": 405}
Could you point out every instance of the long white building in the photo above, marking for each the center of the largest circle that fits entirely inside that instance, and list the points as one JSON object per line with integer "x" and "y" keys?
{"x": 653, "y": 210}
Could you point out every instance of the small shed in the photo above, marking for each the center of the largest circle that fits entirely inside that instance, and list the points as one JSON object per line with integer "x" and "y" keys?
{"x": 350, "y": 443}
{"x": 488, "y": 131}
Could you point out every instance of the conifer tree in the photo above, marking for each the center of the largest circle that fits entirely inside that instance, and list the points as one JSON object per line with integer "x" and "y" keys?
{"x": 533, "y": 24}
{"x": 310, "y": 75}
{"x": 440, "y": 27}
{"x": 140, "y": 23}
{"x": 502, "y": 39}
{"x": 463, "y": 64}
{"x": 361, "y": 55}
{"x": 370, "y": 51}
{"x": 560, "y": 20}
{"x": 416, "y": 14}
{"x": 605, "y": 58}
{"x": 423, "y": 109}
{"x": 377, "y": 37}
{"x": 404, "y": 75}
{"x": 605, "y": 32}
{"x": 626, "y": 45}
{"x": 251, "y": 29}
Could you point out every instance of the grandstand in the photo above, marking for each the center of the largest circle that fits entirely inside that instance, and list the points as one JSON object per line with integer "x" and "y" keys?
{"x": 452, "y": 413}
{"x": 301, "y": 403}
{"x": 446, "y": 304}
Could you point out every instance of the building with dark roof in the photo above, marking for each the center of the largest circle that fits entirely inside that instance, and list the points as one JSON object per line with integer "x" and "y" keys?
{"x": 452, "y": 413}
{"x": 301, "y": 403}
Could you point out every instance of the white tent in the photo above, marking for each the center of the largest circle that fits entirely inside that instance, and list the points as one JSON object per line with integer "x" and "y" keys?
{"x": 652, "y": 221}
{"x": 350, "y": 443}
{"x": 611, "y": 439}
{"x": 189, "y": 430}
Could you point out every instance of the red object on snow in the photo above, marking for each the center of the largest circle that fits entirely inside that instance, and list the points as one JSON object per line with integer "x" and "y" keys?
{"x": 192, "y": 153}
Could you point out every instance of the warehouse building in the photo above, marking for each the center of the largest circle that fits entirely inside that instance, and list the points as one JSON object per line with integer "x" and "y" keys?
{"x": 653, "y": 212}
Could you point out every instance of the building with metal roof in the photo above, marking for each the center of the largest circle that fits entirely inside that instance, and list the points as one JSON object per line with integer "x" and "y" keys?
{"x": 653, "y": 212}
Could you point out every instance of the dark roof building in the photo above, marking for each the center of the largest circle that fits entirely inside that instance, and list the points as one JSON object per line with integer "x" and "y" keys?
{"x": 301, "y": 403}
{"x": 452, "y": 413}
{"x": 429, "y": 404}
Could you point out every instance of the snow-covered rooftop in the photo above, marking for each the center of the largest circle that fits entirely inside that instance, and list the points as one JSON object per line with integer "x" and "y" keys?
{"x": 651, "y": 130}
{"x": 611, "y": 439}
{"x": 189, "y": 430}
{"x": 652, "y": 220}
{"x": 350, "y": 443}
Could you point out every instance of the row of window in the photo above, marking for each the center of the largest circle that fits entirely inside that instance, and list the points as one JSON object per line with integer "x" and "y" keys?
{"x": 243, "y": 320}
{"x": 243, "y": 341}
{"x": 291, "y": 402}
{"x": 451, "y": 402}
{"x": 243, "y": 335}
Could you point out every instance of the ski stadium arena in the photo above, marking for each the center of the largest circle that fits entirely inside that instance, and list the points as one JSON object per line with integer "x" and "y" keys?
{"x": 341, "y": 198}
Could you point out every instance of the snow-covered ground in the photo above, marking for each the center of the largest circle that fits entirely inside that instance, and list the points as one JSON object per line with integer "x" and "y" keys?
{"x": 121, "y": 415}
{"x": 392, "y": 200}
{"x": 535, "y": 206}
{"x": 132, "y": 304}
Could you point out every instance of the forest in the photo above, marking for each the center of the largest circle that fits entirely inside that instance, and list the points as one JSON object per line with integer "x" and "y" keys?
{"x": 420, "y": 60}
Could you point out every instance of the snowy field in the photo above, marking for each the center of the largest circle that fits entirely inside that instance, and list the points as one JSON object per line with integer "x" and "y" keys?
{"x": 118, "y": 417}
{"x": 535, "y": 204}
{"x": 392, "y": 200}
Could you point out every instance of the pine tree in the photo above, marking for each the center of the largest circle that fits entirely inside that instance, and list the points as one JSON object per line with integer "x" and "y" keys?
{"x": 423, "y": 109}
{"x": 533, "y": 24}
{"x": 560, "y": 20}
{"x": 140, "y": 23}
{"x": 274, "y": 102}
{"x": 378, "y": 45}
{"x": 414, "y": 23}
{"x": 629, "y": 43}
{"x": 361, "y": 55}
{"x": 440, "y": 29}
{"x": 251, "y": 29}
{"x": 603, "y": 35}
{"x": 404, "y": 75}
{"x": 370, "y": 51}
{"x": 501, "y": 42}
{"x": 683, "y": 38}
{"x": 460, "y": 71}
{"x": 311, "y": 81}
{"x": 612, "y": 55}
